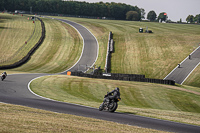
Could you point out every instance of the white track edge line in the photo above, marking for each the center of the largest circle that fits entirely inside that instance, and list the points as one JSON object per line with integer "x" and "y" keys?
{"x": 182, "y": 62}
{"x": 63, "y": 20}
{"x": 49, "y": 98}
{"x": 190, "y": 73}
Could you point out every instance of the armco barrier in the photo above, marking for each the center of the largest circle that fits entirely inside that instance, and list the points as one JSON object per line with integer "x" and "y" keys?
{"x": 125, "y": 77}
{"x": 27, "y": 57}
{"x": 108, "y": 56}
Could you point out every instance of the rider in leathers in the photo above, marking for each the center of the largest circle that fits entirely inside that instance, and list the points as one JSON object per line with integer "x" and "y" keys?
{"x": 114, "y": 95}
{"x": 4, "y": 73}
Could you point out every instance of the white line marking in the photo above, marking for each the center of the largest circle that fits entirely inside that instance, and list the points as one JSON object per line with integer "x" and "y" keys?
{"x": 181, "y": 63}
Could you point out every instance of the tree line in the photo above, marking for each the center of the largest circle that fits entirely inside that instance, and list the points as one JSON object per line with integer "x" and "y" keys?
{"x": 100, "y": 9}
{"x": 152, "y": 16}
{"x": 192, "y": 19}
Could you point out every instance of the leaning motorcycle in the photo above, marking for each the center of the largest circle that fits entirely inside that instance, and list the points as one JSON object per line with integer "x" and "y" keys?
{"x": 109, "y": 106}
{"x": 3, "y": 77}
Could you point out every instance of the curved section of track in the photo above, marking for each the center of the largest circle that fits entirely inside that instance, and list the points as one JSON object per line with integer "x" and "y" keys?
{"x": 90, "y": 48}
{"x": 14, "y": 90}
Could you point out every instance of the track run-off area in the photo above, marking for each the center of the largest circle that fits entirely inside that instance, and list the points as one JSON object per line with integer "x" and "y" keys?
{"x": 15, "y": 90}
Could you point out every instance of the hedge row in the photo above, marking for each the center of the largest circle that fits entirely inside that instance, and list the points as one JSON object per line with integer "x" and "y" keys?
{"x": 125, "y": 77}
{"x": 30, "y": 53}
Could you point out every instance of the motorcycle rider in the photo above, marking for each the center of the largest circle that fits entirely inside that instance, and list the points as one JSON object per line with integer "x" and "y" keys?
{"x": 114, "y": 94}
{"x": 4, "y": 73}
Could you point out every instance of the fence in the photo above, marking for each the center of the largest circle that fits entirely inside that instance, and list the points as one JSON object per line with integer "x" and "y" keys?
{"x": 27, "y": 57}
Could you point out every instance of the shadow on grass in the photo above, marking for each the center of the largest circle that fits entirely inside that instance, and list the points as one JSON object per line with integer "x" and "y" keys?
{"x": 4, "y": 28}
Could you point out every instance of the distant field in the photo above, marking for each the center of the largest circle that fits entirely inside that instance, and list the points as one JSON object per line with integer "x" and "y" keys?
{"x": 174, "y": 103}
{"x": 153, "y": 55}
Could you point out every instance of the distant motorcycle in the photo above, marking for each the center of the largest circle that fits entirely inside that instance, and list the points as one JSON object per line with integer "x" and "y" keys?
{"x": 109, "y": 105}
{"x": 3, "y": 77}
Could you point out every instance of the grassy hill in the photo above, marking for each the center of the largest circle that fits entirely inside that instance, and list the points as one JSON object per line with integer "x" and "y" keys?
{"x": 61, "y": 48}
{"x": 153, "y": 55}
{"x": 15, "y": 31}
{"x": 174, "y": 103}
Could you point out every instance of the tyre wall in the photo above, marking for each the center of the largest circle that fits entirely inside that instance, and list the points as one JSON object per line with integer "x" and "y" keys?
{"x": 125, "y": 77}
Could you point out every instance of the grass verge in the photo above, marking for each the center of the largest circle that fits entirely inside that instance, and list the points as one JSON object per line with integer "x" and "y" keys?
{"x": 181, "y": 104}
{"x": 16, "y": 119}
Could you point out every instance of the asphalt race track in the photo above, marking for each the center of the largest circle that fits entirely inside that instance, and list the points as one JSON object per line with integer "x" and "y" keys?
{"x": 90, "y": 49}
{"x": 180, "y": 73}
{"x": 14, "y": 90}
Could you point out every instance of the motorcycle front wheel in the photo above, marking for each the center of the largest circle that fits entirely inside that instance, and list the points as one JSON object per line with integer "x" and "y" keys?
{"x": 101, "y": 107}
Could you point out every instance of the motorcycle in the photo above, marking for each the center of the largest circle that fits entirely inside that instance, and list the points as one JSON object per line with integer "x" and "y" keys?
{"x": 109, "y": 105}
{"x": 3, "y": 77}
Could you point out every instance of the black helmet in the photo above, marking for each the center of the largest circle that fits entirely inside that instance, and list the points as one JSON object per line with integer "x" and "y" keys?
{"x": 117, "y": 89}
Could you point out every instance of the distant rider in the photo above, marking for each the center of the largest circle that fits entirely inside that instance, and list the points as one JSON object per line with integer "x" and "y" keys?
{"x": 114, "y": 94}
{"x": 4, "y": 73}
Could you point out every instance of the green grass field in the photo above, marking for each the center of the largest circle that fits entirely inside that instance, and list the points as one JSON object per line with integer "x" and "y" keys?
{"x": 154, "y": 55}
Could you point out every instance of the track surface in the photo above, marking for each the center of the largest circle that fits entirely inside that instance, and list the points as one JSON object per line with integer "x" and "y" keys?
{"x": 90, "y": 49}
{"x": 180, "y": 74}
{"x": 14, "y": 90}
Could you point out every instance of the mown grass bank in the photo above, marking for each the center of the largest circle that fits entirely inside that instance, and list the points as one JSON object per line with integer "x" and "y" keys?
{"x": 16, "y": 119}
{"x": 60, "y": 50}
{"x": 173, "y": 103}
{"x": 15, "y": 31}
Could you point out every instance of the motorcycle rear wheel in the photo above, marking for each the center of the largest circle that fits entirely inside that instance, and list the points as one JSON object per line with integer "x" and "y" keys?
{"x": 113, "y": 107}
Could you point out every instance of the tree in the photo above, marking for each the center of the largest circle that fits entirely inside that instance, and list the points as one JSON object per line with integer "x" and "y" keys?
{"x": 162, "y": 16}
{"x": 151, "y": 16}
{"x": 197, "y": 18}
{"x": 190, "y": 19}
{"x": 132, "y": 15}
{"x": 142, "y": 13}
